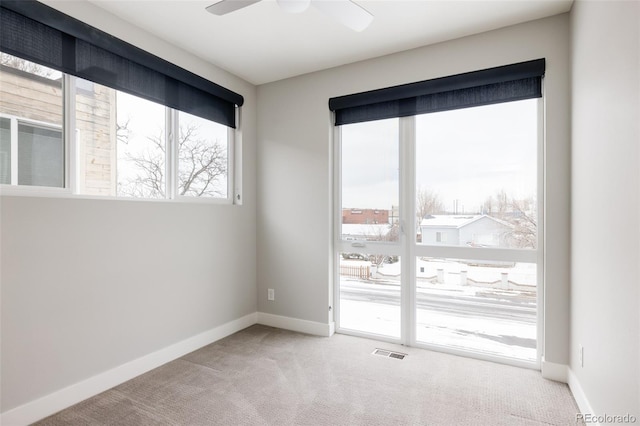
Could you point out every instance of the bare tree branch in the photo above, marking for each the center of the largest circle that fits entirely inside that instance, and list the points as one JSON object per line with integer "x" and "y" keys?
{"x": 427, "y": 202}
{"x": 519, "y": 213}
{"x": 122, "y": 131}
{"x": 24, "y": 65}
{"x": 202, "y": 169}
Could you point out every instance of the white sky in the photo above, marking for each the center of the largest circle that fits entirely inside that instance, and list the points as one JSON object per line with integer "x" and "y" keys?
{"x": 467, "y": 154}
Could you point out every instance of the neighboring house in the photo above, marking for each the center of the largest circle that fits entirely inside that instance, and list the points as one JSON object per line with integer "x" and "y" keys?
{"x": 365, "y": 216}
{"x": 465, "y": 230}
{"x": 31, "y": 145}
{"x": 37, "y": 155}
{"x": 96, "y": 136}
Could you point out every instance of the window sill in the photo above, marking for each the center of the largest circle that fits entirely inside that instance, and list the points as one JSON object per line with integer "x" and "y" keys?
{"x": 46, "y": 192}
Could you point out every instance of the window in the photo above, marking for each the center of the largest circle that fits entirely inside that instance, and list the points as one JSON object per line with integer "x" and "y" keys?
{"x": 106, "y": 118}
{"x": 40, "y": 156}
{"x": 141, "y": 147}
{"x": 31, "y": 141}
{"x": 370, "y": 182}
{"x": 456, "y": 160}
{"x": 121, "y": 140}
{"x": 124, "y": 148}
{"x": 484, "y": 183}
{"x": 35, "y": 157}
{"x": 203, "y": 159}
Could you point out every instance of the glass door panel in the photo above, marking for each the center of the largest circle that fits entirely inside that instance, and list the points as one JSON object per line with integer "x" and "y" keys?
{"x": 485, "y": 306}
{"x": 476, "y": 175}
{"x": 476, "y": 198}
{"x": 370, "y": 181}
{"x": 370, "y": 293}
{"x": 368, "y": 248}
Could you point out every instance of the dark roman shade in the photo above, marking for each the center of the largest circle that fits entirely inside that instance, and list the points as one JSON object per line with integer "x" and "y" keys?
{"x": 39, "y": 33}
{"x": 494, "y": 85}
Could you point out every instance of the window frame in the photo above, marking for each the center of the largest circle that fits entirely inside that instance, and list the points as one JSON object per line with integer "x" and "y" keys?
{"x": 173, "y": 166}
{"x": 411, "y": 249}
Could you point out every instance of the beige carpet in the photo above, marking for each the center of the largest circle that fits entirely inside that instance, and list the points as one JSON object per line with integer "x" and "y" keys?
{"x": 267, "y": 376}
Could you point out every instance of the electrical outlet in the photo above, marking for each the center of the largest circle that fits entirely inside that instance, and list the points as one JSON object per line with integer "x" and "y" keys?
{"x": 271, "y": 294}
{"x": 581, "y": 356}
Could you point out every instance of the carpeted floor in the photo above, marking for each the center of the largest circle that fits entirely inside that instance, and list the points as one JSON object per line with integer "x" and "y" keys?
{"x": 267, "y": 376}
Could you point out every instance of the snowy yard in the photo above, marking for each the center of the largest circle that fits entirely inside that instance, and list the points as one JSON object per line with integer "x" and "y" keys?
{"x": 490, "y": 309}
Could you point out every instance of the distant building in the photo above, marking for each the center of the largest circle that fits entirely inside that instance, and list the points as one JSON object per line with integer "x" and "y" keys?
{"x": 465, "y": 230}
{"x": 395, "y": 215}
{"x": 362, "y": 216}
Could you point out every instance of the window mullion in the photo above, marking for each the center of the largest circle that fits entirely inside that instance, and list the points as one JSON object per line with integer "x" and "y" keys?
{"x": 171, "y": 150}
{"x": 407, "y": 221}
{"x": 72, "y": 155}
{"x": 541, "y": 167}
{"x": 234, "y": 168}
{"x": 14, "y": 151}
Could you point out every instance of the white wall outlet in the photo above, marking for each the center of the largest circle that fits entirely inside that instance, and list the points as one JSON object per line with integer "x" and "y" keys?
{"x": 581, "y": 356}
{"x": 271, "y": 294}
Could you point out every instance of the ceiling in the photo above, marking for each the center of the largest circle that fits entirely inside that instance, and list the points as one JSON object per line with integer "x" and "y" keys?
{"x": 261, "y": 43}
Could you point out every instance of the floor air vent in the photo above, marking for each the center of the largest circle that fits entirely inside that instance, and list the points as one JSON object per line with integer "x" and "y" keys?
{"x": 389, "y": 354}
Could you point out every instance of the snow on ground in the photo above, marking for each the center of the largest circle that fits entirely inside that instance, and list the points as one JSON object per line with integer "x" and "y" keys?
{"x": 498, "y": 337}
{"x": 490, "y": 335}
{"x": 503, "y": 337}
{"x": 370, "y": 317}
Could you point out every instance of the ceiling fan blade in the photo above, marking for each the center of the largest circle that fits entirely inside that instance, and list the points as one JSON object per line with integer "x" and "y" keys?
{"x": 294, "y": 6}
{"x": 347, "y": 12}
{"x": 227, "y": 6}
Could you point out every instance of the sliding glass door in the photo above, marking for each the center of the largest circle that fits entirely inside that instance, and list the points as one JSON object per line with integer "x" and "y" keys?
{"x": 437, "y": 239}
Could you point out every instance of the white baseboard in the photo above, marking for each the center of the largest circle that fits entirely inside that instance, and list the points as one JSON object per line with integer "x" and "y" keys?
{"x": 579, "y": 395}
{"x": 66, "y": 397}
{"x": 295, "y": 324}
{"x": 554, "y": 371}
{"x": 332, "y": 328}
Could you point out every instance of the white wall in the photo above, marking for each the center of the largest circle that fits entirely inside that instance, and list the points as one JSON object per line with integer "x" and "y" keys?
{"x": 605, "y": 267}
{"x": 294, "y": 168}
{"x": 88, "y": 285}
